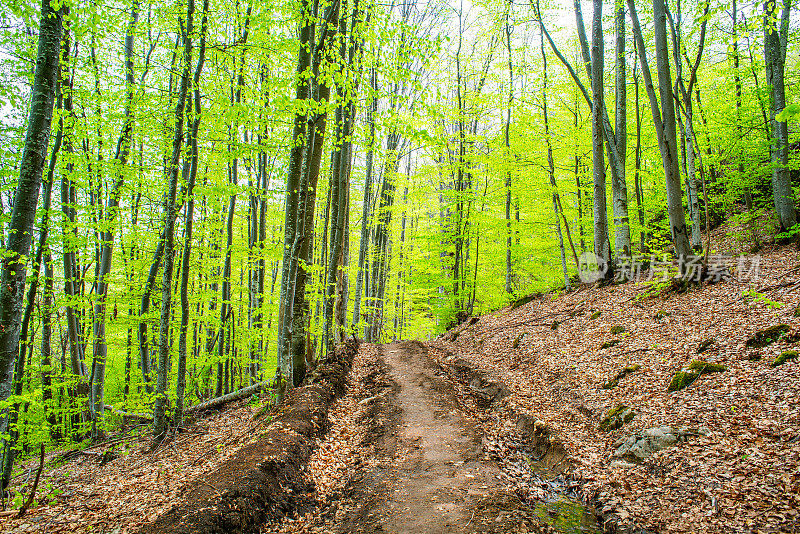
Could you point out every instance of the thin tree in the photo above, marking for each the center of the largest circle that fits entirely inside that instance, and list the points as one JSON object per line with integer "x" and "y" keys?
{"x": 20, "y": 228}
{"x": 776, "y": 35}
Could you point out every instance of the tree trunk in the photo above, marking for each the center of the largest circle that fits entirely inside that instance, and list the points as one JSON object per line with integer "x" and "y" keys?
{"x": 551, "y": 170}
{"x": 100, "y": 348}
{"x": 602, "y": 247}
{"x": 180, "y": 386}
{"x": 160, "y": 404}
{"x": 292, "y": 207}
{"x": 775, "y": 42}
{"x": 20, "y": 228}
{"x": 509, "y": 288}
{"x": 619, "y": 187}
{"x": 366, "y": 212}
{"x": 664, "y": 123}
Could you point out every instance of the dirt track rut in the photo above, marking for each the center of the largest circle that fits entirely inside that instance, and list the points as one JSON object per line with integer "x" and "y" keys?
{"x": 422, "y": 467}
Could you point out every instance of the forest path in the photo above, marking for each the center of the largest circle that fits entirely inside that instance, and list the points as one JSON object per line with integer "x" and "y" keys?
{"x": 419, "y": 464}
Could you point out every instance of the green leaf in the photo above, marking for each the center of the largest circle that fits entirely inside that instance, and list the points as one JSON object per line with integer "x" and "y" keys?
{"x": 792, "y": 111}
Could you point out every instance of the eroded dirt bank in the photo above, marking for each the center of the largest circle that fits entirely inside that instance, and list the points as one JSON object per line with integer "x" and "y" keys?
{"x": 265, "y": 478}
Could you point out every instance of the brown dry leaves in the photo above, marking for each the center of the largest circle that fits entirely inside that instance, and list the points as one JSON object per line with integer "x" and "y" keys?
{"x": 745, "y": 476}
{"x": 338, "y": 453}
{"x": 138, "y": 485}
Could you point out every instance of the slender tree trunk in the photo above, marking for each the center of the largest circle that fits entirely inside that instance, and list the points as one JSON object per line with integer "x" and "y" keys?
{"x": 25, "y": 200}
{"x": 637, "y": 178}
{"x": 509, "y": 288}
{"x": 776, "y": 32}
{"x": 180, "y": 387}
{"x": 601, "y": 243}
{"x": 664, "y": 122}
{"x": 366, "y": 212}
{"x": 619, "y": 188}
{"x": 748, "y": 197}
{"x": 292, "y": 207}
{"x": 100, "y": 348}
{"x": 551, "y": 166}
{"x": 160, "y": 405}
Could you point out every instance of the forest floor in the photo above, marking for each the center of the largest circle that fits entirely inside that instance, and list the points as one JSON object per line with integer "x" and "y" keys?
{"x": 494, "y": 426}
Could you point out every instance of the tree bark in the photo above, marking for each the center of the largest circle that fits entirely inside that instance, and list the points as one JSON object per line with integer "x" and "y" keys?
{"x": 20, "y": 230}
{"x": 160, "y": 404}
{"x": 180, "y": 387}
{"x": 100, "y": 348}
{"x": 776, "y": 34}
{"x": 664, "y": 124}
{"x": 602, "y": 246}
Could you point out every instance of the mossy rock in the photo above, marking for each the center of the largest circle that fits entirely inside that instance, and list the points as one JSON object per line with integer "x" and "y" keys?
{"x": 616, "y": 418}
{"x": 682, "y": 379}
{"x": 784, "y": 357}
{"x": 596, "y": 314}
{"x": 764, "y": 337}
{"x": 705, "y": 367}
{"x": 705, "y": 345}
{"x": 614, "y": 382}
{"x": 617, "y": 329}
{"x": 517, "y": 341}
{"x": 792, "y": 337}
{"x": 609, "y": 344}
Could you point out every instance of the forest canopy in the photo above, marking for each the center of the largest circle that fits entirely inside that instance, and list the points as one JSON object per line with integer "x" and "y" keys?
{"x": 198, "y": 196}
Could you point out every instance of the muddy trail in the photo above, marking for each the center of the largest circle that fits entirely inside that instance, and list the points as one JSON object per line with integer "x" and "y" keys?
{"x": 416, "y": 460}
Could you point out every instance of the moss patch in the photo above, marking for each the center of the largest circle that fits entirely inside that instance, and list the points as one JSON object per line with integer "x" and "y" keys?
{"x": 705, "y": 345}
{"x": 567, "y": 516}
{"x": 609, "y": 344}
{"x": 764, "y": 337}
{"x": 660, "y": 314}
{"x": 617, "y": 329}
{"x": 614, "y": 382}
{"x": 705, "y": 367}
{"x": 517, "y": 341}
{"x": 616, "y": 418}
{"x": 682, "y": 379}
{"x": 596, "y": 314}
{"x": 784, "y": 357}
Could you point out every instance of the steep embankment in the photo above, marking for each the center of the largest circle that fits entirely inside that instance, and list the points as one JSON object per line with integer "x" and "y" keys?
{"x": 731, "y": 457}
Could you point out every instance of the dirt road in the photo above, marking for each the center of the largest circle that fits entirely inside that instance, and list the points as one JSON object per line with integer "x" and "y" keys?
{"x": 418, "y": 464}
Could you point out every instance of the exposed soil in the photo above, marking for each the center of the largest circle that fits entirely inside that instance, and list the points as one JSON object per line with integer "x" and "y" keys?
{"x": 416, "y": 461}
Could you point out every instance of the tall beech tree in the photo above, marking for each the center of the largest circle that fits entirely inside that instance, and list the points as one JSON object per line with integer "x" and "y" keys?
{"x": 776, "y": 32}
{"x": 26, "y": 197}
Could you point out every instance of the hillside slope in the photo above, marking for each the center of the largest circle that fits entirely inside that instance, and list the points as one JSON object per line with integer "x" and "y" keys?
{"x": 736, "y": 465}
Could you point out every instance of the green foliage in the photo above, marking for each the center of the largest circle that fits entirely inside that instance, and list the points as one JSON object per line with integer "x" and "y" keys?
{"x": 784, "y": 357}
{"x": 790, "y": 112}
